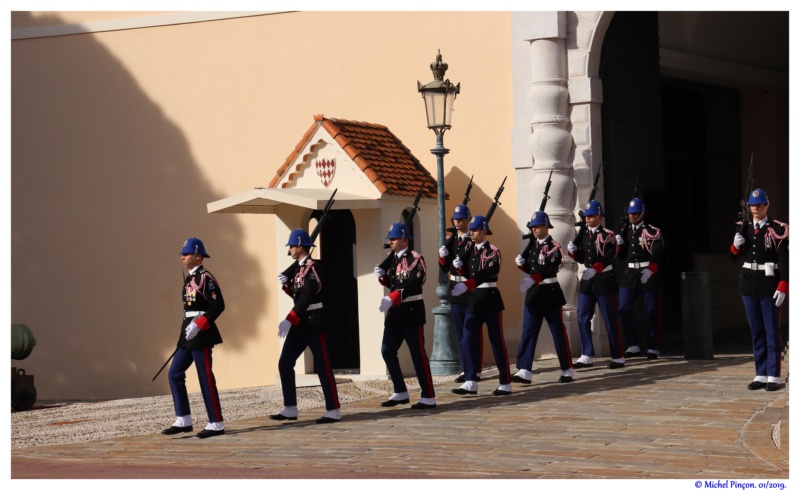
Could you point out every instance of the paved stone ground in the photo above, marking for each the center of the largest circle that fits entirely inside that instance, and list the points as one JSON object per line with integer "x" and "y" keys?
{"x": 663, "y": 419}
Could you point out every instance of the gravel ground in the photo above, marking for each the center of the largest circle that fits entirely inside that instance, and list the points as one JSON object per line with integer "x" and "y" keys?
{"x": 56, "y": 422}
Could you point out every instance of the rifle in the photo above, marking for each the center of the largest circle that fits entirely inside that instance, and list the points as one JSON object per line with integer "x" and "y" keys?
{"x": 744, "y": 213}
{"x": 581, "y": 223}
{"x": 529, "y": 236}
{"x": 496, "y": 200}
{"x": 408, "y": 220}
{"x": 292, "y": 269}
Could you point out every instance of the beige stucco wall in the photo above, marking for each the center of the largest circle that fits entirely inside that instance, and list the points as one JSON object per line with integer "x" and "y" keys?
{"x": 120, "y": 138}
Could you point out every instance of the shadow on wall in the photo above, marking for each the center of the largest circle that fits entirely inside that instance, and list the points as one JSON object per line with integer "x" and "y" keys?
{"x": 105, "y": 189}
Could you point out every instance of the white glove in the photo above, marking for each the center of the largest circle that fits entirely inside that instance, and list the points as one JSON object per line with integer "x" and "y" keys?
{"x": 379, "y": 272}
{"x": 457, "y": 263}
{"x": 386, "y": 303}
{"x": 779, "y": 297}
{"x": 620, "y": 241}
{"x": 646, "y": 273}
{"x": 282, "y": 278}
{"x": 589, "y": 273}
{"x": 526, "y": 284}
{"x": 443, "y": 252}
{"x": 192, "y": 330}
{"x": 738, "y": 241}
{"x": 519, "y": 260}
{"x": 459, "y": 289}
{"x": 283, "y": 328}
{"x": 572, "y": 248}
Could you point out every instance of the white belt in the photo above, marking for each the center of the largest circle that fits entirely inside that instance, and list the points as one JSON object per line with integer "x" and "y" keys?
{"x": 488, "y": 285}
{"x": 757, "y": 267}
{"x": 315, "y": 306}
{"x": 458, "y": 278}
{"x": 549, "y": 280}
{"x": 638, "y": 265}
{"x": 192, "y": 314}
{"x": 416, "y": 297}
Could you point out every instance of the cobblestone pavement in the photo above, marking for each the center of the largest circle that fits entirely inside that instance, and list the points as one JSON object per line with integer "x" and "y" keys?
{"x": 664, "y": 419}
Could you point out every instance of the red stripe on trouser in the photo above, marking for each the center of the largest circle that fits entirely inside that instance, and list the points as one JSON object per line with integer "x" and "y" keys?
{"x": 424, "y": 356}
{"x": 212, "y": 386}
{"x": 329, "y": 371}
{"x": 617, "y": 330}
{"x": 503, "y": 343}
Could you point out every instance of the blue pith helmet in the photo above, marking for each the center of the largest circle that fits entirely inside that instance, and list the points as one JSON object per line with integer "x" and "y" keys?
{"x": 757, "y": 197}
{"x": 479, "y": 222}
{"x": 461, "y": 212}
{"x": 539, "y": 218}
{"x": 593, "y": 208}
{"x": 635, "y": 206}
{"x": 399, "y": 230}
{"x": 299, "y": 238}
{"x": 194, "y": 246}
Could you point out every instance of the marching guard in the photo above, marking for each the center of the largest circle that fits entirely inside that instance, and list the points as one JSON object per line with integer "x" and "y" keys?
{"x": 641, "y": 251}
{"x": 481, "y": 267}
{"x": 202, "y": 304}
{"x": 405, "y": 318}
{"x": 544, "y": 299}
{"x": 303, "y": 327}
{"x": 596, "y": 250}
{"x": 763, "y": 246}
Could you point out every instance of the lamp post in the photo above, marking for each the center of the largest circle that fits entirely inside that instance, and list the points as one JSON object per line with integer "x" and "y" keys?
{"x": 439, "y": 96}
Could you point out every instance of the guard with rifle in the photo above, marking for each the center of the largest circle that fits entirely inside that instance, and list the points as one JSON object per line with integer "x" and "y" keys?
{"x": 540, "y": 261}
{"x": 763, "y": 244}
{"x": 202, "y": 304}
{"x": 404, "y": 272}
{"x": 405, "y": 316}
{"x": 596, "y": 250}
{"x": 481, "y": 266}
{"x": 640, "y": 249}
{"x": 306, "y": 324}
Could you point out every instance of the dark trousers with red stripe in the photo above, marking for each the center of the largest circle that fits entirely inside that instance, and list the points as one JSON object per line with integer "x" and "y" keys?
{"x": 208, "y": 385}
{"x": 627, "y": 303}
{"x": 531, "y": 325}
{"x": 586, "y": 304}
{"x": 414, "y": 337}
{"x": 294, "y": 345}
{"x": 471, "y": 345}
{"x": 764, "y": 319}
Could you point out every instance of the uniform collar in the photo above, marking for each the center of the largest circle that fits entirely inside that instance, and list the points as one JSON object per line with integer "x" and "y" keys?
{"x": 191, "y": 272}
{"x": 401, "y": 253}
{"x": 480, "y": 245}
{"x": 542, "y": 240}
{"x": 762, "y": 223}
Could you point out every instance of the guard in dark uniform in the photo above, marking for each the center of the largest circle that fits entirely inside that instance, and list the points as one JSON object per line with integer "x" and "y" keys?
{"x": 202, "y": 304}
{"x": 763, "y": 245}
{"x": 481, "y": 266}
{"x": 641, "y": 251}
{"x": 303, "y": 327}
{"x": 598, "y": 286}
{"x": 544, "y": 299}
{"x": 405, "y": 318}
{"x": 457, "y": 246}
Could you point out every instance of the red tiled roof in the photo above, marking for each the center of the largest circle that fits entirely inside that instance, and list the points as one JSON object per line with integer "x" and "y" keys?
{"x": 382, "y": 157}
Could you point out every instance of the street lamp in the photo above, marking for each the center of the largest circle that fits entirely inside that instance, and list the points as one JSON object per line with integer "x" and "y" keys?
{"x": 439, "y": 96}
